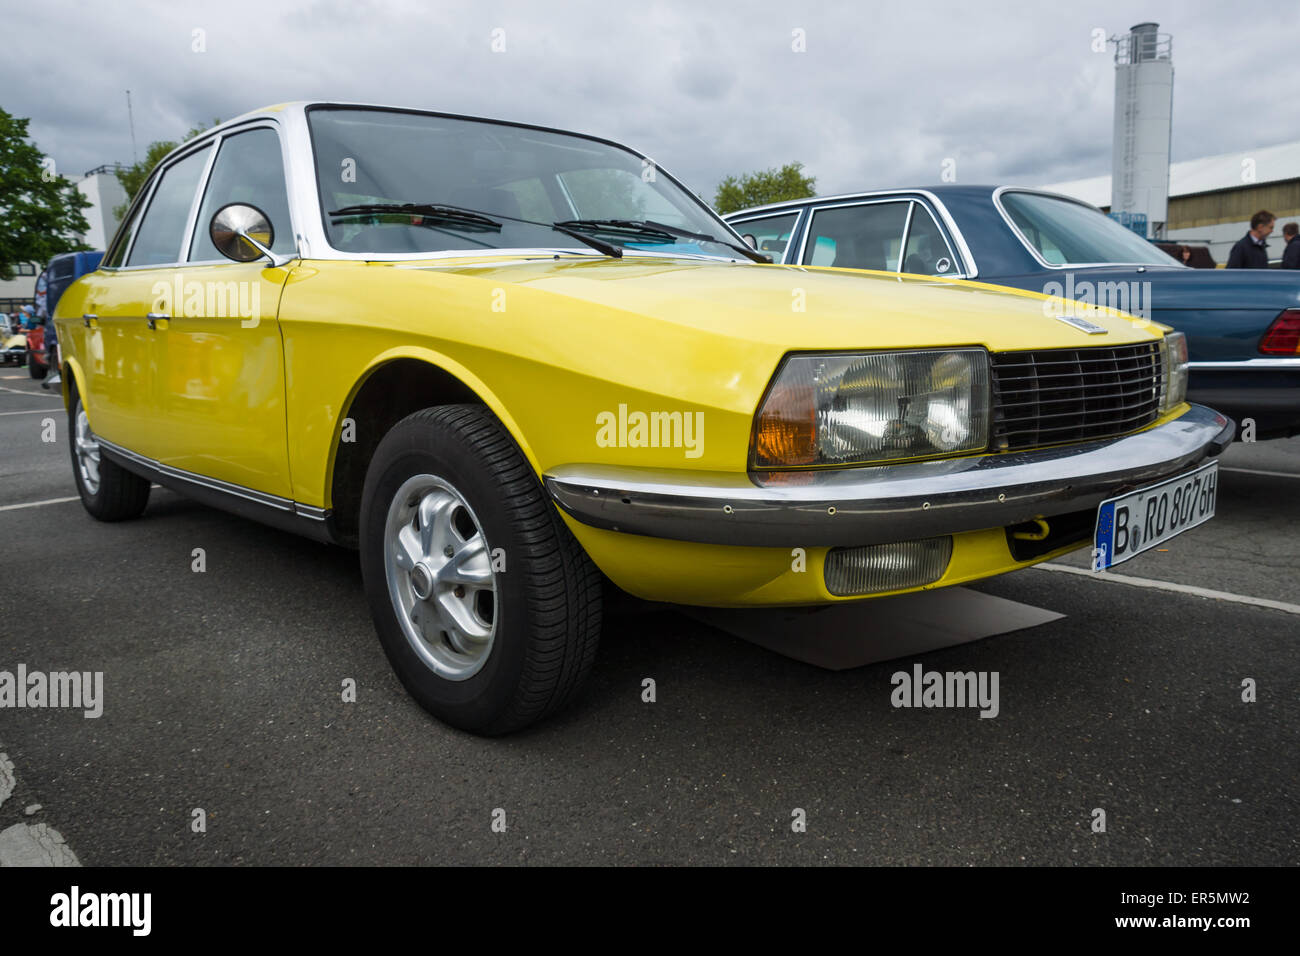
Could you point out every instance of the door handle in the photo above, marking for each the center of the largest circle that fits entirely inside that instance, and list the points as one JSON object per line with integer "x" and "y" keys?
{"x": 89, "y": 317}
{"x": 154, "y": 317}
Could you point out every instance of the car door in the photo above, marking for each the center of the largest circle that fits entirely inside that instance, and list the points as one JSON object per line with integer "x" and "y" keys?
{"x": 222, "y": 369}
{"x": 120, "y": 311}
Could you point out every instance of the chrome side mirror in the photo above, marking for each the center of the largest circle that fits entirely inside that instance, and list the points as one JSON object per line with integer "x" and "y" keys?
{"x": 244, "y": 233}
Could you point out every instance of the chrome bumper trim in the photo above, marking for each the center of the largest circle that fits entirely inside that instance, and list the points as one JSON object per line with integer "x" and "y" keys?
{"x": 879, "y": 504}
{"x": 1251, "y": 363}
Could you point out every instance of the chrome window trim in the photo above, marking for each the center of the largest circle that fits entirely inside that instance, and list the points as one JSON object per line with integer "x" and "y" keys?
{"x": 1000, "y": 191}
{"x": 187, "y": 236}
{"x": 1279, "y": 362}
{"x": 970, "y": 268}
{"x": 799, "y": 213}
{"x": 907, "y": 230}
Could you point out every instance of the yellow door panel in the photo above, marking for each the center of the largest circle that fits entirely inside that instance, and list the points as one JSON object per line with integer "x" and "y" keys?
{"x": 122, "y": 359}
{"x": 221, "y": 368}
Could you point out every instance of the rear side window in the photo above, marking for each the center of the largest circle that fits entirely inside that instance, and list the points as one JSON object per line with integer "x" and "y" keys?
{"x": 248, "y": 170}
{"x": 770, "y": 234}
{"x": 158, "y": 240}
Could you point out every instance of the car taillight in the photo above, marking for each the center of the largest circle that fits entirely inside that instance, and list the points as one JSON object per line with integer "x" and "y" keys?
{"x": 1283, "y": 336}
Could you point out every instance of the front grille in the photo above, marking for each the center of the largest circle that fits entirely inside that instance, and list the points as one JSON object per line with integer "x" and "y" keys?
{"x": 1057, "y": 396}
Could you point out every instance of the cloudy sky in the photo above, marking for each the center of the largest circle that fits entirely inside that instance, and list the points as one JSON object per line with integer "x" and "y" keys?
{"x": 883, "y": 95}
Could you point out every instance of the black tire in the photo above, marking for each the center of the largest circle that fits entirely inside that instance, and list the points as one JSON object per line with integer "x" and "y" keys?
{"x": 547, "y": 602}
{"x": 120, "y": 496}
{"x": 34, "y": 369}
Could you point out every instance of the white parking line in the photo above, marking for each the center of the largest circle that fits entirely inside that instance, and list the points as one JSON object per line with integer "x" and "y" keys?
{"x": 25, "y": 844}
{"x": 1112, "y": 578}
{"x": 18, "y": 391}
{"x": 37, "y": 504}
{"x": 30, "y": 411}
{"x": 1257, "y": 471}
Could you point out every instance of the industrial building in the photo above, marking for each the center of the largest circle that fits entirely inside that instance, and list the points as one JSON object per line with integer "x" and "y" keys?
{"x": 1212, "y": 199}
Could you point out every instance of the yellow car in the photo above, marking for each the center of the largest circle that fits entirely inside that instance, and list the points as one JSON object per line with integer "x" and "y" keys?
{"x": 508, "y": 362}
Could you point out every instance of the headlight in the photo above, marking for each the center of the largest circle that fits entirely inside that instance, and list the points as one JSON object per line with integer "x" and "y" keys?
{"x": 1174, "y": 348}
{"x": 874, "y": 406}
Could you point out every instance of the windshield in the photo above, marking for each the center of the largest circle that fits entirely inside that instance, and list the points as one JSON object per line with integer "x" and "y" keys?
{"x": 368, "y": 157}
{"x": 1068, "y": 233}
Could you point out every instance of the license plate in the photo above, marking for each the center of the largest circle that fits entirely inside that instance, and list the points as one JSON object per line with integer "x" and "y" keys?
{"x": 1132, "y": 523}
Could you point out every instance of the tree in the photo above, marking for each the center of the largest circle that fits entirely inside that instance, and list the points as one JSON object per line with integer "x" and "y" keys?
{"x": 133, "y": 177}
{"x": 768, "y": 185}
{"x": 40, "y": 212}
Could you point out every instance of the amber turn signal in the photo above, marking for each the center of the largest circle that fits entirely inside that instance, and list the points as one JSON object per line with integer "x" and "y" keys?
{"x": 787, "y": 429}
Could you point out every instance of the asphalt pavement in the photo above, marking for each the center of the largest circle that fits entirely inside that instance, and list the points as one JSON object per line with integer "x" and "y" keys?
{"x": 225, "y": 738}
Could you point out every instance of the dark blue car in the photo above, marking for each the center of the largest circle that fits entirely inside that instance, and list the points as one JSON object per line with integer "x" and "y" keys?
{"x": 1242, "y": 326}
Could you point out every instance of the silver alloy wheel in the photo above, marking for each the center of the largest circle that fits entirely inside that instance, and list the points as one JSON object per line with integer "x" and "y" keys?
{"x": 87, "y": 452}
{"x": 440, "y": 578}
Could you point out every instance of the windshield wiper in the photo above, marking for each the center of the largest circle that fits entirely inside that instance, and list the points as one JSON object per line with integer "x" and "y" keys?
{"x": 470, "y": 220}
{"x": 651, "y": 231}
{"x": 446, "y": 215}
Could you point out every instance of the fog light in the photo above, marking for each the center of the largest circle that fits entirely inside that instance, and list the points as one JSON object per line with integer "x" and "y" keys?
{"x": 887, "y": 567}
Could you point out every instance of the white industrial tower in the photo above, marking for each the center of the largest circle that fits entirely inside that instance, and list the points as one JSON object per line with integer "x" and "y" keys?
{"x": 1144, "y": 104}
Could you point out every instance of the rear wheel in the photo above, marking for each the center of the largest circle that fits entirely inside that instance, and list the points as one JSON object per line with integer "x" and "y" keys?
{"x": 486, "y": 606}
{"x": 108, "y": 491}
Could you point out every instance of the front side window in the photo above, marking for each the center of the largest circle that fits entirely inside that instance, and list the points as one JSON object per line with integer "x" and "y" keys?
{"x": 367, "y": 157}
{"x": 770, "y": 234}
{"x": 158, "y": 239}
{"x": 1064, "y": 232}
{"x": 248, "y": 169}
{"x": 868, "y": 236}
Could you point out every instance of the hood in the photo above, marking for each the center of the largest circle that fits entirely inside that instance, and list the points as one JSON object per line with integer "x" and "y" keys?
{"x": 802, "y": 307}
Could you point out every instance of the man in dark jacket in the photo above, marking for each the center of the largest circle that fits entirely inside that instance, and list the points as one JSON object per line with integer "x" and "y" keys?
{"x": 1291, "y": 254}
{"x": 1251, "y": 251}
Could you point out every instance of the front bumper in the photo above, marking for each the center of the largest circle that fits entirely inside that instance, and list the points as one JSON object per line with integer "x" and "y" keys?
{"x": 885, "y": 503}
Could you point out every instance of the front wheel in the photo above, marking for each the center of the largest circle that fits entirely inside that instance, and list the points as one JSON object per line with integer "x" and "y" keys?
{"x": 486, "y": 606}
{"x": 108, "y": 491}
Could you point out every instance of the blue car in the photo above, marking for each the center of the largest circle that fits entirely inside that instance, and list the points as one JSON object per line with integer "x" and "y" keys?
{"x": 1242, "y": 326}
{"x": 42, "y": 343}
